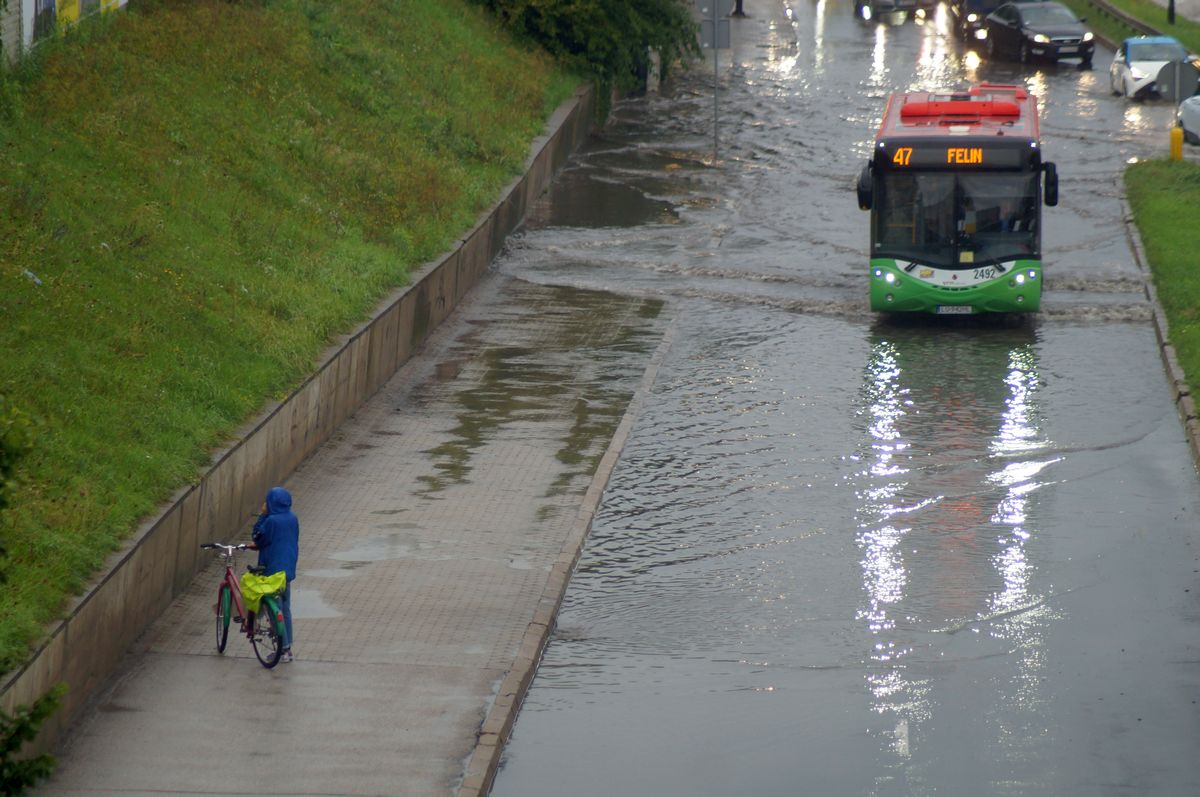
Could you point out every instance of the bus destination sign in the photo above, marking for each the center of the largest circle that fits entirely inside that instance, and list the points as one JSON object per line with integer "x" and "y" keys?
{"x": 945, "y": 156}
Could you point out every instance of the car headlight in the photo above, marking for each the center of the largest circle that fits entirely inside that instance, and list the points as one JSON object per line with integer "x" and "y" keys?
{"x": 1087, "y": 37}
{"x": 1041, "y": 38}
{"x": 972, "y": 17}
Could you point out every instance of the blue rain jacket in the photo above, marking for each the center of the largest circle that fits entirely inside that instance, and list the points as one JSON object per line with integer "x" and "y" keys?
{"x": 277, "y": 534}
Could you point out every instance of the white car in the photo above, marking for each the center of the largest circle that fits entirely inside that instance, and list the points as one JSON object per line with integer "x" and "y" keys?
{"x": 1189, "y": 119}
{"x": 1138, "y": 60}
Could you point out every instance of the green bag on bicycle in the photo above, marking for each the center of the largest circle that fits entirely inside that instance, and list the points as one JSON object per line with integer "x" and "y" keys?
{"x": 254, "y": 587}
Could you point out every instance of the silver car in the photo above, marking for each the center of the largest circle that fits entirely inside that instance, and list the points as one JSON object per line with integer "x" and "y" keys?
{"x": 1137, "y": 62}
{"x": 1189, "y": 119}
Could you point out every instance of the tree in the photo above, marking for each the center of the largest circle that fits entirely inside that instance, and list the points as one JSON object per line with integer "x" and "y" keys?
{"x": 609, "y": 40}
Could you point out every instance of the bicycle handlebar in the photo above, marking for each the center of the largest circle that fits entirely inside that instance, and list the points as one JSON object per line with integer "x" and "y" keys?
{"x": 229, "y": 549}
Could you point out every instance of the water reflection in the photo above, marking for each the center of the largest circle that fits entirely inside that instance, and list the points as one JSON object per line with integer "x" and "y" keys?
{"x": 879, "y": 69}
{"x": 937, "y": 65}
{"x": 946, "y": 522}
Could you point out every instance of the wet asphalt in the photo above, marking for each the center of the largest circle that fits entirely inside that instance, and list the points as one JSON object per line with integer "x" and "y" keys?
{"x": 842, "y": 555}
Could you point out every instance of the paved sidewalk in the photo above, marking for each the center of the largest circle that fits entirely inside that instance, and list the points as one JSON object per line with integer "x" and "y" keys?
{"x": 429, "y": 527}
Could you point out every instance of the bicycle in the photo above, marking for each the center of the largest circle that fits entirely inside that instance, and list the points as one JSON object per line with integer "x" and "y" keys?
{"x": 265, "y": 637}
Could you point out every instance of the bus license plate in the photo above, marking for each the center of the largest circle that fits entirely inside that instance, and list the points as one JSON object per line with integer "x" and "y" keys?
{"x": 954, "y": 309}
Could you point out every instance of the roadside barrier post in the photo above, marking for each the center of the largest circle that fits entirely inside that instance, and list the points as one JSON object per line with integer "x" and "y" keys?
{"x": 714, "y": 33}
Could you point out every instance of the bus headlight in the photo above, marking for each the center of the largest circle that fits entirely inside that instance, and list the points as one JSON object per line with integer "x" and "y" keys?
{"x": 878, "y": 272}
{"x": 1032, "y": 274}
{"x": 890, "y": 278}
{"x": 1020, "y": 279}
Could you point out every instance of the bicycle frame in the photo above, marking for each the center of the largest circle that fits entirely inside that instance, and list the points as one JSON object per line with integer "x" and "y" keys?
{"x": 266, "y": 638}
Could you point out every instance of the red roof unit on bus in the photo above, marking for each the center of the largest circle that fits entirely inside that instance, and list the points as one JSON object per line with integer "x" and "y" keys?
{"x": 988, "y": 108}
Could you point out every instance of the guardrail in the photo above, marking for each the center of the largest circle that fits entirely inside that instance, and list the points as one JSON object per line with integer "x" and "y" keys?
{"x": 1121, "y": 16}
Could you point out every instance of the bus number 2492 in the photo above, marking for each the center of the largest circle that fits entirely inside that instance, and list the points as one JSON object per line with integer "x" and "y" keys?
{"x": 985, "y": 273}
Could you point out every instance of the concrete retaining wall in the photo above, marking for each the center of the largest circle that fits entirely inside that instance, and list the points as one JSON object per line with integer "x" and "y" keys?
{"x": 161, "y": 558}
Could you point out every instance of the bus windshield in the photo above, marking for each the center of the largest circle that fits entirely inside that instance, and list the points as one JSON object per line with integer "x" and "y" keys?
{"x": 954, "y": 220}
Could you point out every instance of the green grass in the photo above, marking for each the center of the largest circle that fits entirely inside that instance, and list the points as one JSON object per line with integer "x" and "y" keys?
{"x": 208, "y": 193}
{"x": 1164, "y": 196}
{"x": 1187, "y": 31}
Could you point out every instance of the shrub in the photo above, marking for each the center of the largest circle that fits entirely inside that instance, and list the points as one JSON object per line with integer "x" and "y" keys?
{"x": 17, "y": 774}
{"x": 605, "y": 39}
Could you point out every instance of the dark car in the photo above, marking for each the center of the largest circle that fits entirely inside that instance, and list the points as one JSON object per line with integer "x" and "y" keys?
{"x": 969, "y": 16}
{"x": 1038, "y": 31}
{"x": 874, "y": 9}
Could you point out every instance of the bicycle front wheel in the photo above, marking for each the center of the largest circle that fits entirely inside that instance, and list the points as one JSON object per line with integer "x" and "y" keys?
{"x": 266, "y": 639}
{"x": 224, "y": 607}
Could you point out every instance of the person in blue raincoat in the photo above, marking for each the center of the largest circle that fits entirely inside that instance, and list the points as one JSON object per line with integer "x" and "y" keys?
{"x": 277, "y": 535}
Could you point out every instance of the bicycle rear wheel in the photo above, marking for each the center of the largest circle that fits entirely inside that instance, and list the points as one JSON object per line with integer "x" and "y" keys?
{"x": 266, "y": 639}
{"x": 224, "y": 608}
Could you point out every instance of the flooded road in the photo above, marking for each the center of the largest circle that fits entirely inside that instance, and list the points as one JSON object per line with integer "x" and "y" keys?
{"x": 844, "y": 556}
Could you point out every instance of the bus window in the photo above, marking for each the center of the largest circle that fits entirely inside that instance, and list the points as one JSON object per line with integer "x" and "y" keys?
{"x": 915, "y": 217}
{"x": 1003, "y": 214}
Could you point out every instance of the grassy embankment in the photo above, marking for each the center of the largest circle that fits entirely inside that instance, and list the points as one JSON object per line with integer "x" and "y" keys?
{"x": 1148, "y": 11}
{"x": 196, "y": 196}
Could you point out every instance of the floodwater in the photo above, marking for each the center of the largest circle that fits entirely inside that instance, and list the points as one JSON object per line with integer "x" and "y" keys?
{"x": 844, "y": 556}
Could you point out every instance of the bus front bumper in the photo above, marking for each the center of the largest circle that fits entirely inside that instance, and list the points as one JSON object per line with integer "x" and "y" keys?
{"x": 1017, "y": 291}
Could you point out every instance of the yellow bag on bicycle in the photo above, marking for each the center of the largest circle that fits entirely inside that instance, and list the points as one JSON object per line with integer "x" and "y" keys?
{"x": 254, "y": 587}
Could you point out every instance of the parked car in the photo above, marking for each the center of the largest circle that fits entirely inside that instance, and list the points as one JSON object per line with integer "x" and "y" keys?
{"x": 1030, "y": 31}
{"x": 1137, "y": 62}
{"x": 1189, "y": 119}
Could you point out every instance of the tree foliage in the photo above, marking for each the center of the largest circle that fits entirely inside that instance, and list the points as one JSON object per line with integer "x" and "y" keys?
{"x": 605, "y": 39}
{"x": 18, "y": 774}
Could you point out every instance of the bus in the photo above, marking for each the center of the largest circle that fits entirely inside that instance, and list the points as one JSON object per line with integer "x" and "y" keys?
{"x": 955, "y": 186}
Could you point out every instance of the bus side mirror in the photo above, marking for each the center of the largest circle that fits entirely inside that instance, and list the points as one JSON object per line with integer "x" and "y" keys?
{"x": 865, "y": 188}
{"x": 1051, "y": 194}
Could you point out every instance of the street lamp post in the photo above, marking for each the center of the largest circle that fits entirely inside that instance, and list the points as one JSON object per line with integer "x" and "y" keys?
{"x": 1170, "y": 12}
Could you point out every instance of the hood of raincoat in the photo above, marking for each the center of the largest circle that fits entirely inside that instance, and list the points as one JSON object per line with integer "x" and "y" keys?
{"x": 278, "y": 500}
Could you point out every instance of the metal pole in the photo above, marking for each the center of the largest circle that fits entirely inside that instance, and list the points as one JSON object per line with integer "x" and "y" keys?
{"x": 1171, "y": 12}
{"x": 716, "y": 39}
{"x": 738, "y": 12}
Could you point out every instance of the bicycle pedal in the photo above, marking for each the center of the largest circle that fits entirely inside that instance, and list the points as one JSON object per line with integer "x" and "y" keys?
{"x": 237, "y": 619}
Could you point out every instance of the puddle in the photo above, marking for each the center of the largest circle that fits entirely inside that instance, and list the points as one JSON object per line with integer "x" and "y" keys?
{"x": 390, "y": 547}
{"x": 307, "y": 604}
{"x": 577, "y": 199}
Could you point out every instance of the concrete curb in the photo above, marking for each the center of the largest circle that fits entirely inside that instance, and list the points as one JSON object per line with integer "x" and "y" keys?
{"x": 494, "y": 732}
{"x": 159, "y": 559}
{"x": 1177, "y": 379}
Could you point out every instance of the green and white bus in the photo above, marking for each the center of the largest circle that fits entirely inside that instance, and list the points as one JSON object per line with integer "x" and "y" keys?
{"x": 955, "y": 187}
